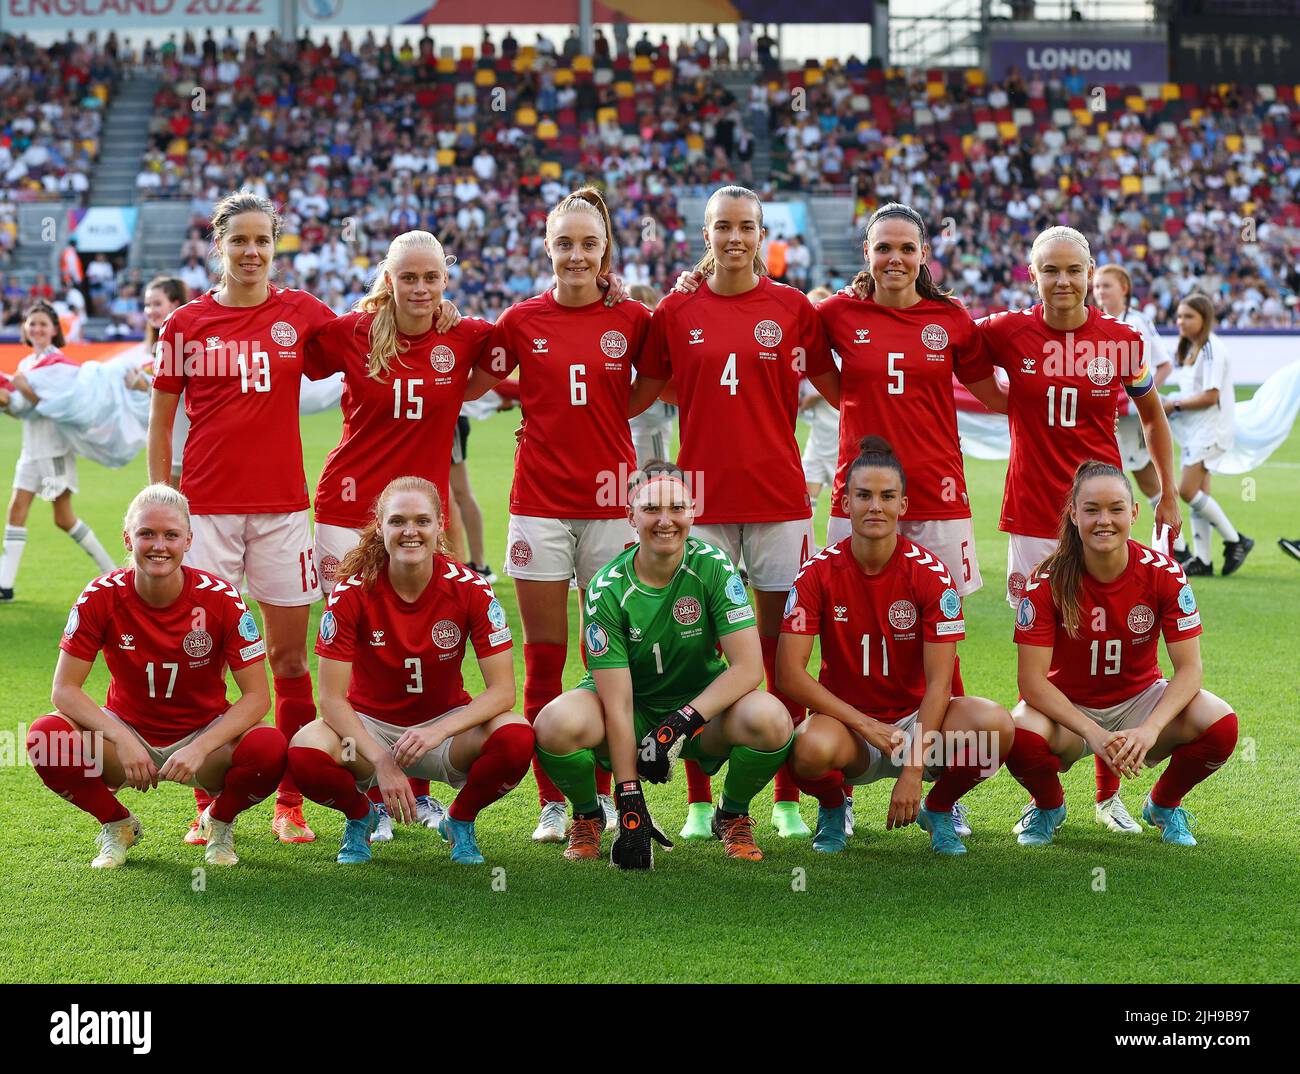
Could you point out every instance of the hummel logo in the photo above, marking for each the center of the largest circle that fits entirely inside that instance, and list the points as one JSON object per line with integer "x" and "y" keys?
{"x": 697, "y": 336}
{"x": 127, "y": 642}
{"x": 1028, "y": 364}
{"x": 376, "y": 637}
{"x": 539, "y": 346}
{"x": 634, "y": 633}
{"x": 841, "y": 613}
{"x": 214, "y": 343}
{"x": 862, "y": 335}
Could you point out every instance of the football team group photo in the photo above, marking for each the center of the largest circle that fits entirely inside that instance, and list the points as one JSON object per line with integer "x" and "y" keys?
{"x": 630, "y": 502}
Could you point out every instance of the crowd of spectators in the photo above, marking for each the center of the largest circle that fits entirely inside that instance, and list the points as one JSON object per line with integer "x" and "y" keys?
{"x": 1189, "y": 187}
{"x": 1192, "y": 189}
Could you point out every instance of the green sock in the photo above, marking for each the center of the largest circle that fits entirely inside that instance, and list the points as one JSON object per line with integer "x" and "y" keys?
{"x": 574, "y": 775}
{"x": 748, "y": 772}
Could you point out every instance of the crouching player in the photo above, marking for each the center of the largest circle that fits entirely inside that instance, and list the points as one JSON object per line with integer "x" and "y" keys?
{"x": 167, "y": 632}
{"x": 658, "y": 687}
{"x": 391, "y": 644}
{"x": 889, "y": 619}
{"x": 1088, "y": 631}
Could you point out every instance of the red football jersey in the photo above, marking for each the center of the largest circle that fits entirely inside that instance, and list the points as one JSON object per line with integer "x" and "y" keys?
{"x": 1116, "y": 655}
{"x": 575, "y": 378}
{"x": 167, "y": 665}
{"x": 896, "y": 370}
{"x": 874, "y": 627}
{"x": 406, "y": 657}
{"x": 240, "y": 368}
{"x": 1064, "y": 387}
{"x": 736, "y": 361}
{"x": 402, "y": 423}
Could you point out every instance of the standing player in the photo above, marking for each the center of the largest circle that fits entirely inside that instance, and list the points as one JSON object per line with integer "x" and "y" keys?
{"x": 392, "y": 641}
{"x": 1088, "y": 630}
{"x": 575, "y": 355}
{"x": 1202, "y": 417}
{"x": 237, "y": 354}
{"x": 673, "y": 669}
{"x": 167, "y": 632}
{"x": 1111, "y": 288}
{"x": 889, "y": 617}
{"x": 735, "y": 349}
{"x": 47, "y": 464}
{"x": 403, "y": 386}
{"x": 1067, "y": 363}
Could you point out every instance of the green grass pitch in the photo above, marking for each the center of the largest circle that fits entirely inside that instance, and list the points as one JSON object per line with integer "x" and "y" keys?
{"x": 1094, "y": 907}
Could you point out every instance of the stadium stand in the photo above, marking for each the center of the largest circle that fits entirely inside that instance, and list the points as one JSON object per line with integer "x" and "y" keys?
{"x": 1191, "y": 187}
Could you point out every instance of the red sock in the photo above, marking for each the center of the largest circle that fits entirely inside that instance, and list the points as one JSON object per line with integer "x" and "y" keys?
{"x": 324, "y": 780}
{"x": 496, "y": 771}
{"x": 699, "y": 788}
{"x": 1107, "y": 781}
{"x": 202, "y": 799}
{"x": 955, "y": 781}
{"x": 294, "y": 710}
{"x": 604, "y": 780}
{"x": 1036, "y": 768}
{"x": 828, "y": 789}
{"x": 255, "y": 768}
{"x": 1196, "y": 760}
{"x": 543, "y": 682}
{"x": 784, "y": 788}
{"x": 66, "y": 765}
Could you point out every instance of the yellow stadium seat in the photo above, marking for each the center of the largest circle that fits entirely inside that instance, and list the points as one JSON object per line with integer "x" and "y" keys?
{"x": 974, "y": 76}
{"x": 526, "y": 116}
{"x": 550, "y": 169}
{"x": 607, "y": 115}
{"x": 1232, "y": 142}
{"x": 1131, "y": 184}
{"x": 563, "y": 76}
{"x": 813, "y": 76}
{"x": 641, "y": 65}
{"x": 623, "y": 90}
{"x": 485, "y": 76}
{"x": 523, "y": 64}
{"x": 446, "y": 158}
{"x": 1135, "y": 103}
{"x": 1195, "y": 115}
{"x": 1082, "y": 116}
{"x": 935, "y": 89}
{"x": 1064, "y": 182}
{"x": 1008, "y": 131}
{"x": 695, "y": 143}
{"x": 446, "y": 65}
{"x": 1171, "y": 91}
{"x": 547, "y": 130}
{"x": 528, "y": 52}
{"x": 467, "y": 52}
{"x": 662, "y": 76}
{"x": 583, "y": 63}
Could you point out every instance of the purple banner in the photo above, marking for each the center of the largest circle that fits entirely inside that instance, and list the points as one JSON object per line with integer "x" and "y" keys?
{"x": 1097, "y": 61}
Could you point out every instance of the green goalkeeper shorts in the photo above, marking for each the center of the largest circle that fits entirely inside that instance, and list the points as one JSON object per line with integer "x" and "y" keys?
{"x": 643, "y": 724}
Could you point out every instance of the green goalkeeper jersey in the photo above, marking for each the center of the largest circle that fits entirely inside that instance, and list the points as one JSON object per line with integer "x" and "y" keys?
{"x": 667, "y": 638}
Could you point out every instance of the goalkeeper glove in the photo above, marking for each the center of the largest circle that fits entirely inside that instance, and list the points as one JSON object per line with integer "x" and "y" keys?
{"x": 662, "y": 745}
{"x": 632, "y": 847}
